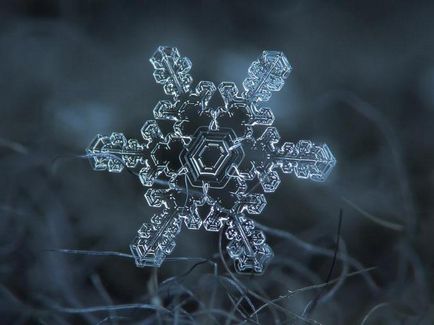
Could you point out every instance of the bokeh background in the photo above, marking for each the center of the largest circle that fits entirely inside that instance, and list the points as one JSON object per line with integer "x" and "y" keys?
{"x": 363, "y": 82}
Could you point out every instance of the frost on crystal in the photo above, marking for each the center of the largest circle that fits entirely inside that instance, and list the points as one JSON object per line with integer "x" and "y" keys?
{"x": 215, "y": 164}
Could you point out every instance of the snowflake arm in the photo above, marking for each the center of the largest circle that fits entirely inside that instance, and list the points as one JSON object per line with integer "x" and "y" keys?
{"x": 171, "y": 71}
{"x": 247, "y": 245}
{"x": 114, "y": 152}
{"x": 156, "y": 239}
{"x": 266, "y": 75}
{"x": 304, "y": 158}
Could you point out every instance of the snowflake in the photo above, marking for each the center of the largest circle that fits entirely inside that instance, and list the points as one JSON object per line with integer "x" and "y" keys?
{"x": 216, "y": 159}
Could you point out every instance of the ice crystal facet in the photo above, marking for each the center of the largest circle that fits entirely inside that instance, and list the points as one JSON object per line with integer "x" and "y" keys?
{"x": 215, "y": 164}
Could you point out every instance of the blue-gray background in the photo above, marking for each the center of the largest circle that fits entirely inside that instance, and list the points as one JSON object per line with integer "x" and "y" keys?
{"x": 363, "y": 82}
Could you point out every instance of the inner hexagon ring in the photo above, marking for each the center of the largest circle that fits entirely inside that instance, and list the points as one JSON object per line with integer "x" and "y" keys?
{"x": 210, "y": 156}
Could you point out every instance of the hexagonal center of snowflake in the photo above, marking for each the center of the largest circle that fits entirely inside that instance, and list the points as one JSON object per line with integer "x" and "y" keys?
{"x": 210, "y": 156}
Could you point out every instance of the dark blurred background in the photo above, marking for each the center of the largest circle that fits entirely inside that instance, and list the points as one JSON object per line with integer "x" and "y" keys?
{"x": 363, "y": 82}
